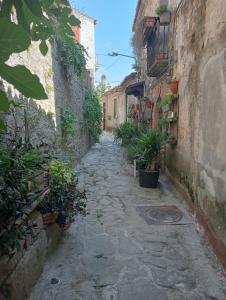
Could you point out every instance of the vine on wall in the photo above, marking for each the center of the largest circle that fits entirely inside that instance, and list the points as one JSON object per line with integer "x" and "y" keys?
{"x": 68, "y": 122}
{"x": 92, "y": 112}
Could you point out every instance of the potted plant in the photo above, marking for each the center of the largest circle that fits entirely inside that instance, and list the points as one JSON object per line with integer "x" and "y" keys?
{"x": 174, "y": 86}
{"x": 146, "y": 151}
{"x": 163, "y": 124}
{"x": 165, "y": 103}
{"x": 63, "y": 200}
{"x": 164, "y": 14}
{"x": 150, "y": 104}
{"x": 49, "y": 218}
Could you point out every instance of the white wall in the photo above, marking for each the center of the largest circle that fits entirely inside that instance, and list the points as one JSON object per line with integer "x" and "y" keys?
{"x": 88, "y": 40}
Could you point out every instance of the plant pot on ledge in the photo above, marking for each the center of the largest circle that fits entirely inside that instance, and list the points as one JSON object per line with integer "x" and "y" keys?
{"x": 165, "y": 18}
{"x": 49, "y": 218}
{"x": 174, "y": 86}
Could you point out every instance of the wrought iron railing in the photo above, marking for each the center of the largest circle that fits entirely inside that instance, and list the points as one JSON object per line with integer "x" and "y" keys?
{"x": 157, "y": 49}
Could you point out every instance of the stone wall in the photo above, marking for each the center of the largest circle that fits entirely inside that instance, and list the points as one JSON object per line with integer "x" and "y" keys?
{"x": 43, "y": 119}
{"x": 199, "y": 160}
{"x": 64, "y": 89}
{"x": 197, "y": 59}
{"x": 19, "y": 274}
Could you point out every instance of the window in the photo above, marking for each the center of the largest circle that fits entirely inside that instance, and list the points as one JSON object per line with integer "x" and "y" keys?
{"x": 115, "y": 108}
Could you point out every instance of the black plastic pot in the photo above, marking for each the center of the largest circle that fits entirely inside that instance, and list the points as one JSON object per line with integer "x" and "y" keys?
{"x": 148, "y": 179}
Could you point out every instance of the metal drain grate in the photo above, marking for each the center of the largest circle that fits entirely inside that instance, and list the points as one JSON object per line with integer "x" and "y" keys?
{"x": 160, "y": 215}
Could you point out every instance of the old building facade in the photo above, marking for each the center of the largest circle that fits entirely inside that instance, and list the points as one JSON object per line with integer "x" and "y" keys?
{"x": 86, "y": 36}
{"x": 117, "y": 104}
{"x": 189, "y": 46}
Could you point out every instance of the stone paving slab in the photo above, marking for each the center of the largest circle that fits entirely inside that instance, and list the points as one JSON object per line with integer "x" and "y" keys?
{"x": 113, "y": 254}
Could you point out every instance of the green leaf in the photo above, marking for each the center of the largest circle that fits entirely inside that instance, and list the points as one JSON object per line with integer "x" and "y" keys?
{"x": 73, "y": 21}
{"x": 23, "y": 80}
{"x": 4, "y": 102}
{"x": 6, "y": 8}
{"x": 13, "y": 39}
{"x": 43, "y": 48}
{"x": 2, "y": 125}
{"x": 35, "y": 7}
{"x": 20, "y": 15}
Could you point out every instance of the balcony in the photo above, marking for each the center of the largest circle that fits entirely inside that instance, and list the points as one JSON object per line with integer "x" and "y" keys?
{"x": 157, "y": 49}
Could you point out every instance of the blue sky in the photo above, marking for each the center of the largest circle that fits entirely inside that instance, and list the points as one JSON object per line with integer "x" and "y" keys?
{"x": 113, "y": 33}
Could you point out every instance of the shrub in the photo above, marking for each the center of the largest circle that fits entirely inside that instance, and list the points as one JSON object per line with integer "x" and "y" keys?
{"x": 92, "y": 113}
{"x": 147, "y": 148}
{"x": 68, "y": 121}
{"x": 128, "y": 132}
{"x": 61, "y": 173}
{"x": 64, "y": 197}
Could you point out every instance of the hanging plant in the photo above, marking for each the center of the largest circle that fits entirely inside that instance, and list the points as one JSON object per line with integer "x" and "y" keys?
{"x": 161, "y": 9}
{"x": 174, "y": 86}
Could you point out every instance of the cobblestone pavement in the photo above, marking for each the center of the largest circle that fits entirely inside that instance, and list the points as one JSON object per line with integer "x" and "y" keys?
{"x": 113, "y": 254}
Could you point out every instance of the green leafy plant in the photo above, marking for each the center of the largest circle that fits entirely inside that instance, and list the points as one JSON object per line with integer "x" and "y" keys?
{"x": 60, "y": 173}
{"x": 68, "y": 121}
{"x": 37, "y": 21}
{"x": 128, "y": 132}
{"x": 17, "y": 162}
{"x": 72, "y": 53}
{"x": 64, "y": 199}
{"x": 102, "y": 87}
{"x": 92, "y": 114}
{"x": 147, "y": 149}
{"x": 167, "y": 100}
{"x": 163, "y": 123}
{"x": 161, "y": 9}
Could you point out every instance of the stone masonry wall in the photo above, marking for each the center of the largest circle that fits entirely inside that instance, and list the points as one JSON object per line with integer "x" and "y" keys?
{"x": 199, "y": 160}
{"x": 197, "y": 60}
{"x": 64, "y": 89}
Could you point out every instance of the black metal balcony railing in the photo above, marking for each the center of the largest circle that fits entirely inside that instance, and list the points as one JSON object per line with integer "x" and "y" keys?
{"x": 157, "y": 50}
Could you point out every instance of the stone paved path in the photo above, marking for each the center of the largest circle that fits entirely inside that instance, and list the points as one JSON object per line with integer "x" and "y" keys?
{"x": 113, "y": 254}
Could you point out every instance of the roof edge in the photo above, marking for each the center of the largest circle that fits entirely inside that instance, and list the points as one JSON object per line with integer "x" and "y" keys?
{"x": 136, "y": 14}
{"x": 83, "y": 14}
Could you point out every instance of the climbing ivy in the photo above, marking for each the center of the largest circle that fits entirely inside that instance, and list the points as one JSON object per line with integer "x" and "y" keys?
{"x": 92, "y": 112}
{"x": 39, "y": 21}
{"x": 68, "y": 122}
{"x": 72, "y": 54}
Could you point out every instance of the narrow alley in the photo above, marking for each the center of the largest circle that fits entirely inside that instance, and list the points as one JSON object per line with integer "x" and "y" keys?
{"x": 114, "y": 254}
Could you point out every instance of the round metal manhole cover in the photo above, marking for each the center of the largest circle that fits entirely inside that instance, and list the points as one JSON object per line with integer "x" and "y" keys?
{"x": 164, "y": 214}
{"x": 160, "y": 214}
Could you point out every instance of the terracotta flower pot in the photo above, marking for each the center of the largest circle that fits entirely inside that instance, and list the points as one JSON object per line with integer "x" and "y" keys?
{"x": 66, "y": 226}
{"x": 49, "y": 218}
{"x": 160, "y": 55}
{"x": 150, "y": 104}
{"x": 174, "y": 86}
